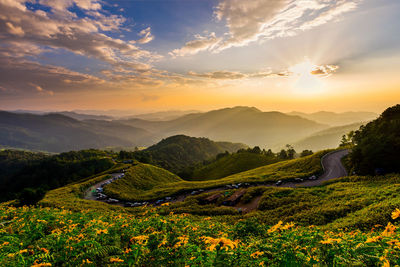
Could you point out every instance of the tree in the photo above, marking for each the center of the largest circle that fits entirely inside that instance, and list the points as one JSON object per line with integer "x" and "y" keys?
{"x": 306, "y": 152}
{"x": 290, "y": 152}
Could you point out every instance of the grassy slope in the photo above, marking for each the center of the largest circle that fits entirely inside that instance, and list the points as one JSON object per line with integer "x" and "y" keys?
{"x": 139, "y": 178}
{"x": 285, "y": 170}
{"x": 231, "y": 164}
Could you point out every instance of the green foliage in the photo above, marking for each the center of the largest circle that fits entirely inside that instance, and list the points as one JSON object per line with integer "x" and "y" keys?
{"x": 350, "y": 202}
{"x": 231, "y": 164}
{"x": 306, "y": 152}
{"x": 177, "y": 153}
{"x": 40, "y": 172}
{"x": 378, "y": 144}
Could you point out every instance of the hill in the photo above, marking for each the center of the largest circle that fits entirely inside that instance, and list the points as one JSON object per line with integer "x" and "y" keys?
{"x": 239, "y": 124}
{"x": 284, "y": 170}
{"x": 226, "y": 165}
{"x": 377, "y": 144}
{"x": 176, "y": 153}
{"x": 59, "y": 133}
{"x": 328, "y": 138}
{"x": 337, "y": 119}
{"x": 140, "y": 178}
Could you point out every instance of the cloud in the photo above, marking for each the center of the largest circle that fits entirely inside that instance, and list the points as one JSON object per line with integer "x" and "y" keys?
{"x": 201, "y": 43}
{"x": 40, "y": 89}
{"x": 235, "y": 75}
{"x": 324, "y": 70}
{"x": 147, "y": 37}
{"x": 257, "y": 20}
{"x": 63, "y": 29}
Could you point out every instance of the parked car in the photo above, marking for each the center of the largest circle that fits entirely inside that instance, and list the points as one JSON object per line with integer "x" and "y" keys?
{"x": 112, "y": 200}
{"x": 279, "y": 183}
{"x": 298, "y": 180}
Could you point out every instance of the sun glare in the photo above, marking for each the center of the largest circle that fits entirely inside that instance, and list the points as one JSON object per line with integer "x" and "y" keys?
{"x": 305, "y": 82}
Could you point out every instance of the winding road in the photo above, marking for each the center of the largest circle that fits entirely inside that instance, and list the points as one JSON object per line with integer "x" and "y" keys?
{"x": 331, "y": 164}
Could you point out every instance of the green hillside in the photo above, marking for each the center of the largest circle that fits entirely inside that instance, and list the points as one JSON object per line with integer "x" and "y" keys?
{"x": 231, "y": 164}
{"x": 176, "y": 153}
{"x": 377, "y": 144}
{"x": 285, "y": 170}
{"x": 140, "y": 178}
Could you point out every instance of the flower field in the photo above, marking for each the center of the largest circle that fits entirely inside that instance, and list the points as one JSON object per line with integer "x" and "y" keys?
{"x": 53, "y": 237}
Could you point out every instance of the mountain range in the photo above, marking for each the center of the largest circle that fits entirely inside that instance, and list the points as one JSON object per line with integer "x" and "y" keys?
{"x": 65, "y": 131}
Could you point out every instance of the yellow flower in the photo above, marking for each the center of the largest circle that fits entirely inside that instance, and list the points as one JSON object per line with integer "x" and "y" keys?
{"x": 275, "y": 227}
{"x": 102, "y": 231}
{"x": 41, "y": 264}
{"x": 116, "y": 260}
{"x": 331, "y": 240}
{"x": 87, "y": 261}
{"x": 224, "y": 243}
{"x": 206, "y": 219}
{"x": 44, "y": 250}
{"x": 396, "y": 214}
{"x": 385, "y": 262}
{"x": 192, "y": 258}
{"x": 288, "y": 226}
{"x": 261, "y": 263}
{"x": 373, "y": 239}
{"x": 256, "y": 254}
{"x": 127, "y": 251}
{"x": 389, "y": 230}
{"x": 165, "y": 204}
{"x": 139, "y": 239}
{"x": 183, "y": 240}
{"x": 23, "y": 251}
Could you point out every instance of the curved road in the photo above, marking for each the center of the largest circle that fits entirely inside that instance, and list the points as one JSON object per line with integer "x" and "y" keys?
{"x": 333, "y": 168}
{"x": 331, "y": 163}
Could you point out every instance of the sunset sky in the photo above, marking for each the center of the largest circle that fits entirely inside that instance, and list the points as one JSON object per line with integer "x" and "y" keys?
{"x": 149, "y": 55}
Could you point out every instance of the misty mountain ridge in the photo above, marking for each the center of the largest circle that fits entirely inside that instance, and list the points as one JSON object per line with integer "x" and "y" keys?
{"x": 337, "y": 119}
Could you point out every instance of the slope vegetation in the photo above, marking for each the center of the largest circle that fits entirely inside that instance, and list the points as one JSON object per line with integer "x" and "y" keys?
{"x": 138, "y": 179}
{"x": 378, "y": 144}
{"x": 285, "y": 170}
{"x": 231, "y": 164}
{"x": 176, "y": 153}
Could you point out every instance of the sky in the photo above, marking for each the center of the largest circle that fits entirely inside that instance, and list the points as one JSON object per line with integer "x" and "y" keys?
{"x": 151, "y": 55}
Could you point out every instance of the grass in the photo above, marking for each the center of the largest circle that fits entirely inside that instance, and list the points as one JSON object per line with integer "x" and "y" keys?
{"x": 58, "y": 237}
{"x": 231, "y": 164}
{"x": 70, "y": 196}
{"x": 285, "y": 170}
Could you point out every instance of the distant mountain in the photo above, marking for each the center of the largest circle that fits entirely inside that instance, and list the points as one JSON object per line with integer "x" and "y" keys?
{"x": 58, "y": 133}
{"x": 337, "y": 119}
{"x": 176, "y": 153}
{"x": 163, "y": 115}
{"x": 328, "y": 138}
{"x": 81, "y": 117}
{"x": 239, "y": 124}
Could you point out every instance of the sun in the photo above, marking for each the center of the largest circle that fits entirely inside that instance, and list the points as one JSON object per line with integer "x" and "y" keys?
{"x": 305, "y": 82}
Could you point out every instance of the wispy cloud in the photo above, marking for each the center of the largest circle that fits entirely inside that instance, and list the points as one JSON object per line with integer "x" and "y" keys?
{"x": 257, "y": 20}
